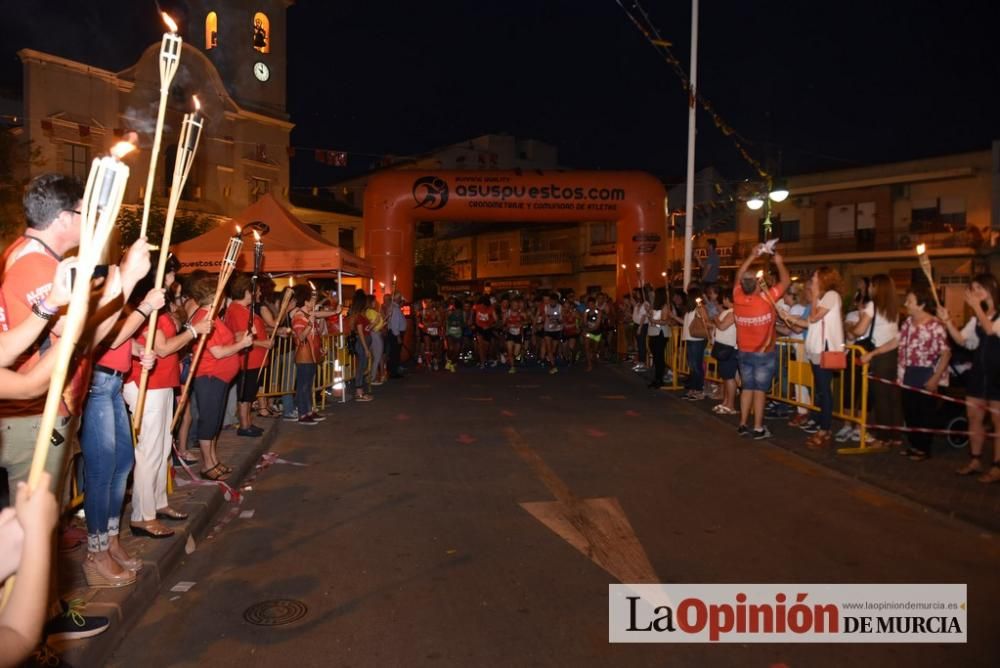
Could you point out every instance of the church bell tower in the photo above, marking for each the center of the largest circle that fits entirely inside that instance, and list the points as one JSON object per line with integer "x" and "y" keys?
{"x": 246, "y": 40}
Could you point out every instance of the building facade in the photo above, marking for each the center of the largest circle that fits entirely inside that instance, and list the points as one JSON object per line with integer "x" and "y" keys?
{"x": 234, "y": 59}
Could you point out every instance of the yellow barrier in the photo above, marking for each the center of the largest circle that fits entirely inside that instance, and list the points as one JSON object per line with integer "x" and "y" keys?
{"x": 332, "y": 373}
{"x": 849, "y": 387}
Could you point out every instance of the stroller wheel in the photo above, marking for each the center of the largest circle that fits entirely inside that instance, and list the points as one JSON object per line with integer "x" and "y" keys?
{"x": 959, "y": 423}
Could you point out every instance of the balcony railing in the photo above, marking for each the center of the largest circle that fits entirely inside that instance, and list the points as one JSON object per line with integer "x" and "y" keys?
{"x": 871, "y": 242}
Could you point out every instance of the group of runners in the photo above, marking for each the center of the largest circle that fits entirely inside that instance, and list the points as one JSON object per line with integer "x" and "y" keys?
{"x": 547, "y": 328}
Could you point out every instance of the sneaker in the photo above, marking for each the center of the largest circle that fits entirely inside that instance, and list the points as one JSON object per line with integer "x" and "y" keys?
{"x": 639, "y": 368}
{"x": 553, "y": 370}
{"x": 71, "y": 624}
{"x": 290, "y": 418}
{"x": 810, "y": 427}
{"x": 761, "y": 434}
{"x": 317, "y": 417}
{"x": 743, "y": 430}
{"x": 843, "y": 434}
{"x": 856, "y": 434}
{"x": 307, "y": 420}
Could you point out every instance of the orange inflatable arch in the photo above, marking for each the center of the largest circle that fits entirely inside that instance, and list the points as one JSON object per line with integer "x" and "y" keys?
{"x": 395, "y": 201}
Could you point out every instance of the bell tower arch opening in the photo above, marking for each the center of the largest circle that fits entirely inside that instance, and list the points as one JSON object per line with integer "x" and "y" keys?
{"x": 396, "y": 201}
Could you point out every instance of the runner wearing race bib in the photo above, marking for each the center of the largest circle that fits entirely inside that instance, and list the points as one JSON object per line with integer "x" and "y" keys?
{"x": 484, "y": 317}
{"x": 454, "y": 330}
{"x": 552, "y": 328}
{"x": 593, "y": 331}
{"x": 432, "y": 324}
{"x": 571, "y": 330}
{"x": 514, "y": 332}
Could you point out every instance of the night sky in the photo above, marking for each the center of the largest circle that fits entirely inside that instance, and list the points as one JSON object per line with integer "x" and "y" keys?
{"x": 809, "y": 86}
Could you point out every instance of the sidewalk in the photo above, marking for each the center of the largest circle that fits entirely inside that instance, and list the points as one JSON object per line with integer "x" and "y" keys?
{"x": 931, "y": 483}
{"x": 126, "y": 605}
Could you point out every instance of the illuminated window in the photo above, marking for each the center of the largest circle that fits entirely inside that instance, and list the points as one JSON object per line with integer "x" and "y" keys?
{"x": 261, "y": 33}
{"x": 211, "y": 31}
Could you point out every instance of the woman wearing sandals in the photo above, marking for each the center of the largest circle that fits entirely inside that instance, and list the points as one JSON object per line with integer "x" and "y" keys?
{"x": 981, "y": 334}
{"x": 152, "y": 449}
{"x": 218, "y": 366}
{"x": 724, "y": 351}
{"x": 923, "y": 362}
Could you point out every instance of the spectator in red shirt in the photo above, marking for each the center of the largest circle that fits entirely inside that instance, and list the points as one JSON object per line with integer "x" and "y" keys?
{"x": 754, "y": 312}
{"x": 247, "y": 380}
{"x": 216, "y": 369}
{"x": 149, "y": 480}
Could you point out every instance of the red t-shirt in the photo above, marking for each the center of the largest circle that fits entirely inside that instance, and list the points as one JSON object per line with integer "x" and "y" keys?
{"x": 119, "y": 359}
{"x": 300, "y": 322}
{"x": 226, "y": 368}
{"x": 514, "y": 322}
{"x": 755, "y": 319}
{"x": 167, "y": 372}
{"x": 485, "y": 316}
{"x": 236, "y": 319}
{"x": 28, "y": 269}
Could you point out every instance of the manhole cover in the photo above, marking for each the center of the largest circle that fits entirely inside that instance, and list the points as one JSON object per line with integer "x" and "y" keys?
{"x": 275, "y": 613}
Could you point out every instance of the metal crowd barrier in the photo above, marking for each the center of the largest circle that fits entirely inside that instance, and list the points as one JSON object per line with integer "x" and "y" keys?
{"x": 849, "y": 386}
{"x": 332, "y": 374}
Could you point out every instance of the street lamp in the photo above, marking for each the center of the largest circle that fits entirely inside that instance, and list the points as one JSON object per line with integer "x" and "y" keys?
{"x": 775, "y": 193}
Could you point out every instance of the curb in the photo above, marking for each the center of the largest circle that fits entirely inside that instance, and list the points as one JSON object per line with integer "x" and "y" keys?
{"x": 125, "y": 607}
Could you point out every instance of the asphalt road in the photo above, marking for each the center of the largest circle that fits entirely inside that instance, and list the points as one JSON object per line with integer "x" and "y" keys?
{"x": 407, "y": 542}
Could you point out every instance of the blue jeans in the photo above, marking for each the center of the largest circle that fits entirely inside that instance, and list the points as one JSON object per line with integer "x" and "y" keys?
{"x": 288, "y": 400}
{"x": 823, "y": 381}
{"x": 305, "y": 374}
{"x": 757, "y": 370}
{"x": 360, "y": 372}
{"x": 696, "y": 364}
{"x": 108, "y": 455}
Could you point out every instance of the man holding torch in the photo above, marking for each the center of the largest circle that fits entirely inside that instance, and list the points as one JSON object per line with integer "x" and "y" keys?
{"x": 755, "y": 314}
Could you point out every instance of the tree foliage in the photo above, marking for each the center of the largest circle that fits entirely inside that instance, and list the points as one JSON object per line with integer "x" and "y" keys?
{"x": 435, "y": 266}
{"x": 17, "y": 158}
{"x": 186, "y": 226}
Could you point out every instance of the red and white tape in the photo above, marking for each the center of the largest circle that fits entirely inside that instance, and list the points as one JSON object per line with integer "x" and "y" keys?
{"x": 937, "y": 395}
{"x": 919, "y": 430}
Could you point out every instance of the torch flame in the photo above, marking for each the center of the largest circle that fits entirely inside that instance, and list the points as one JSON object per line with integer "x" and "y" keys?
{"x": 623, "y": 265}
{"x": 239, "y": 231}
{"x": 312, "y": 285}
{"x": 169, "y": 21}
{"x": 121, "y": 149}
{"x": 921, "y": 249}
{"x": 636, "y": 265}
{"x": 760, "y": 274}
{"x": 197, "y": 103}
{"x": 663, "y": 274}
{"x": 256, "y": 235}
{"x": 697, "y": 300}
{"x": 381, "y": 285}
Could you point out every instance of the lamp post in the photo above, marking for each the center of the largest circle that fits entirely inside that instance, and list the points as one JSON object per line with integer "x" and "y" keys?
{"x": 774, "y": 193}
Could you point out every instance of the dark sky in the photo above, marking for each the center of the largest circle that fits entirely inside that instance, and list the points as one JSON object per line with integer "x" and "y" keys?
{"x": 809, "y": 85}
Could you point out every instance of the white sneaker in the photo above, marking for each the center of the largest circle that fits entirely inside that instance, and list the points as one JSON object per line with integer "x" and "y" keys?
{"x": 856, "y": 434}
{"x": 844, "y": 433}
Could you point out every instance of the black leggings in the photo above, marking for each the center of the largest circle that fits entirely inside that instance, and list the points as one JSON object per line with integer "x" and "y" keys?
{"x": 658, "y": 348}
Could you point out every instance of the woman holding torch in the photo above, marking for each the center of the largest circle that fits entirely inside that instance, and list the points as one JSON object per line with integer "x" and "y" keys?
{"x": 238, "y": 315}
{"x": 149, "y": 480}
{"x": 215, "y": 371}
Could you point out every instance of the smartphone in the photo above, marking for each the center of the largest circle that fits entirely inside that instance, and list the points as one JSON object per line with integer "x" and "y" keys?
{"x": 100, "y": 271}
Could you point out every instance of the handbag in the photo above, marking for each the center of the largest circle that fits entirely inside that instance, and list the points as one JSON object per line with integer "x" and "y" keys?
{"x": 697, "y": 329}
{"x": 834, "y": 360}
{"x": 868, "y": 342}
